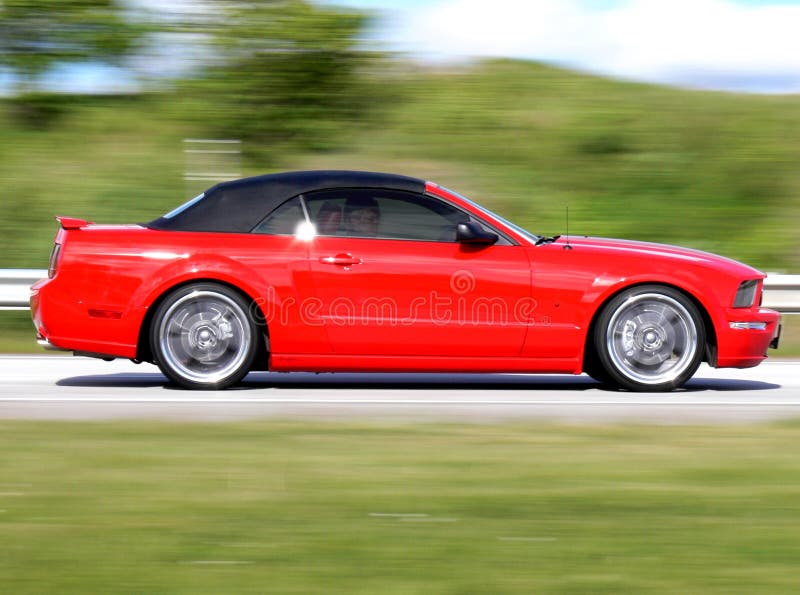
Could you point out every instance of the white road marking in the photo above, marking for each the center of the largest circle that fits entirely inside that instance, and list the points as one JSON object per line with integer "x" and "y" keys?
{"x": 75, "y": 388}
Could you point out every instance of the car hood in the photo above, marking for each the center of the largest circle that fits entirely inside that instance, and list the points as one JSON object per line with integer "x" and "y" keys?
{"x": 660, "y": 251}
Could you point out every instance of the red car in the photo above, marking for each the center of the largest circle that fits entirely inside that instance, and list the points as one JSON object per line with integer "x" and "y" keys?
{"x": 331, "y": 271}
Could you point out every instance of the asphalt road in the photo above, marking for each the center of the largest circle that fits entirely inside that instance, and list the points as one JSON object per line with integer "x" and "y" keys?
{"x": 72, "y": 388}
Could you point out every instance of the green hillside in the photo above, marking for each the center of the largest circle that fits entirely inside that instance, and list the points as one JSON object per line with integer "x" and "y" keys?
{"x": 715, "y": 171}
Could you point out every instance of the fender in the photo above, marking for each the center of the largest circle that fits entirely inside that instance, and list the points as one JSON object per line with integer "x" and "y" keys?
{"x": 604, "y": 289}
{"x": 204, "y": 266}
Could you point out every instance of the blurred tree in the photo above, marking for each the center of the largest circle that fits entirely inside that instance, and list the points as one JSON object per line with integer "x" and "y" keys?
{"x": 36, "y": 35}
{"x": 289, "y": 72}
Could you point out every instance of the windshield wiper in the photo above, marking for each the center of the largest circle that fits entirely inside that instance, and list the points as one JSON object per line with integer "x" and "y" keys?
{"x": 546, "y": 240}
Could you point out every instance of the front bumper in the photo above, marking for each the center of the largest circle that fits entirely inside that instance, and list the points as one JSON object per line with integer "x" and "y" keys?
{"x": 774, "y": 343}
{"x": 743, "y": 341}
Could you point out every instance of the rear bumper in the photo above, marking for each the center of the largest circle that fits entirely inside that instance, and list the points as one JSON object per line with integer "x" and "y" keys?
{"x": 37, "y": 315}
{"x": 45, "y": 344}
{"x": 64, "y": 323}
{"x": 746, "y": 336}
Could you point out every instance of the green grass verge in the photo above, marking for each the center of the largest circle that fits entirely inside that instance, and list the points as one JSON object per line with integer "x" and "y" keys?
{"x": 299, "y": 508}
{"x": 17, "y": 334}
{"x": 715, "y": 171}
{"x": 790, "y": 337}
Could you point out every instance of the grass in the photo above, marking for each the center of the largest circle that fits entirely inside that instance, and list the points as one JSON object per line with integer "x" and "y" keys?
{"x": 298, "y": 508}
{"x": 18, "y": 334}
{"x": 708, "y": 170}
{"x": 790, "y": 337}
{"x": 715, "y": 171}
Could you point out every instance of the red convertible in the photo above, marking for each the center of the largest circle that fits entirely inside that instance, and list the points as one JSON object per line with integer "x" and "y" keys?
{"x": 332, "y": 271}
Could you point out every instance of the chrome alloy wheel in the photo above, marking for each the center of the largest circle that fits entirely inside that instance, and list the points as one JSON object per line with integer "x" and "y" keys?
{"x": 204, "y": 337}
{"x": 652, "y": 339}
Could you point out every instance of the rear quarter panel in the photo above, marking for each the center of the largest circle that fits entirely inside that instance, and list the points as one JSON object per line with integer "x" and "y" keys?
{"x": 110, "y": 276}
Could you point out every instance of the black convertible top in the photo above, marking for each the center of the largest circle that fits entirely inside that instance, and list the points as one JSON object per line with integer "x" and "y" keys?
{"x": 239, "y": 205}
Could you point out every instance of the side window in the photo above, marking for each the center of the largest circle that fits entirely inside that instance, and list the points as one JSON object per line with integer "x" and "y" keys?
{"x": 283, "y": 220}
{"x": 385, "y": 214}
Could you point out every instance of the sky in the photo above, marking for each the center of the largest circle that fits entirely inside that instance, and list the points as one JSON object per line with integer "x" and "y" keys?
{"x": 731, "y": 45}
{"x": 735, "y": 45}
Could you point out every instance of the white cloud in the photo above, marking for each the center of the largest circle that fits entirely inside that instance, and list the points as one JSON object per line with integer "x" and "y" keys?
{"x": 699, "y": 43}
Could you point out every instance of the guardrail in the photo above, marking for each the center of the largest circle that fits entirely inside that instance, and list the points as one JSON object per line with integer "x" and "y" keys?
{"x": 781, "y": 292}
{"x": 15, "y": 285}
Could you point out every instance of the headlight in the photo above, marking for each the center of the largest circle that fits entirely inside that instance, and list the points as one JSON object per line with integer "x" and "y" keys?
{"x": 746, "y": 294}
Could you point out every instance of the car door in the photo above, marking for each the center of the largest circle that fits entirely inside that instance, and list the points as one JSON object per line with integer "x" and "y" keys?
{"x": 389, "y": 278}
{"x": 277, "y": 253}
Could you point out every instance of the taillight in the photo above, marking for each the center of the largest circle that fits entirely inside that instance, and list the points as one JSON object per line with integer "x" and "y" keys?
{"x": 54, "y": 255}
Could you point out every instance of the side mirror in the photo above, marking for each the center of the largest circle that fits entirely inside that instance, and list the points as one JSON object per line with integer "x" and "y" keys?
{"x": 472, "y": 233}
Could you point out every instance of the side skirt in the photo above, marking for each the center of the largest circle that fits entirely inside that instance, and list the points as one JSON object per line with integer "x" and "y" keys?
{"x": 387, "y": 363}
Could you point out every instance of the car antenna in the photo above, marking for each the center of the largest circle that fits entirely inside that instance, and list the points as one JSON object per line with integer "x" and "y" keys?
{"x": 567, "y": 246}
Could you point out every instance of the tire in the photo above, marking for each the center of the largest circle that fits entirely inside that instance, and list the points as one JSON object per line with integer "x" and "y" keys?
{"x": 649, "y": 338}
{"x": 595, "y": 370}
{"x": 203, "y": 337}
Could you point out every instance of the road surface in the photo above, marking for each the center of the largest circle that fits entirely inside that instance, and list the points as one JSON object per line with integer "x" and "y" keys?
{"x": 74, "y": 388}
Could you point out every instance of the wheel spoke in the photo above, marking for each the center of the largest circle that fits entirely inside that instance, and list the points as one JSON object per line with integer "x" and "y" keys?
{"x": 651, "y": 338}
{"x": 205, "y": 337}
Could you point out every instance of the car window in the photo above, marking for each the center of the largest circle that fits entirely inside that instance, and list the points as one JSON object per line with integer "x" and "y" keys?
{"x": 283, "y": 220}
{"x": 386, "y": 214}
{"x": 184, "y": 206}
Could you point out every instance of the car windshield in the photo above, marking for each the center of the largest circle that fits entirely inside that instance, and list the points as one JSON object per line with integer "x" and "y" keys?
{"x": 184, "y": 206}
{"x": 523, "y": 232}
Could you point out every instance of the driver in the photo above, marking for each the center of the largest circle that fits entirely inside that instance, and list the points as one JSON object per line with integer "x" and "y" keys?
{"x": 362, "y": 216}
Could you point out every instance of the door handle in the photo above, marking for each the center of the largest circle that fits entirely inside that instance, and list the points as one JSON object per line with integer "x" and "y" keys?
{"x": 340, "y": 259}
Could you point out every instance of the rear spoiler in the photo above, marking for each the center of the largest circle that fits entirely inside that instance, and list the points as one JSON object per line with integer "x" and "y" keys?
{"x": 72, "y": 222}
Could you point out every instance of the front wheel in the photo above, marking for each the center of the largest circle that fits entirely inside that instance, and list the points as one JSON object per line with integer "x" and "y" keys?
{"x": 202, "y": 337}
{"x": 650, "y": 338}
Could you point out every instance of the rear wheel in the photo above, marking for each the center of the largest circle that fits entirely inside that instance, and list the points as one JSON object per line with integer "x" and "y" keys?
{"x": 203, "y": 337}
{"x": 649, "y": 338}
{"x": 595, "y": 370}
